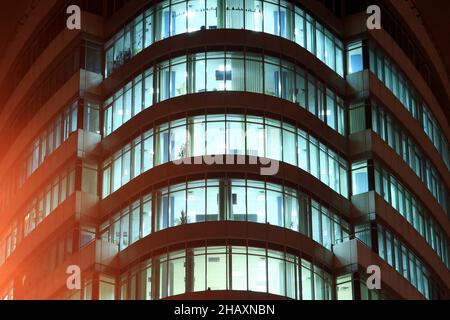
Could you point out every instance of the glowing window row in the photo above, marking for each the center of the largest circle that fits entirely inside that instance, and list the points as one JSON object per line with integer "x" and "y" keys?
{"x": 385, "y": 126}
{"x": 400, "y": 257}
{"x": 388, "y": 73}
{"x": 399, "y": 140}
{"x": 224, "y": 71}
{"x": 226, "y": 268}
{"x": 37, "y": 210}
{"x": 405, "y": 203}
{"x": 49, "y": 140}
{"x": 225, "y": 200}
{"x": 170, "y": 18}
{"x": 225, "y": 135}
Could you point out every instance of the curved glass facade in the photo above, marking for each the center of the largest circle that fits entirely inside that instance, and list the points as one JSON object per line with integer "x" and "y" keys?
{"x": 224, "y": 71}
{"x": 225, "y": 200}
{"x": 391, "y": 133}
{"x": 218, "y": 149}
{"x": 404, "y": 202}
{"x": 51, "y": 137}
{"x": 405, "y": 262}
{"x": 170, "y": 18}
{"x": 225, "y": 135}
{"x": 389, "y": 74}
{"x": 214, "y": 268}
{"x": 399, "y": 140}
{"x": 37, "y": 209}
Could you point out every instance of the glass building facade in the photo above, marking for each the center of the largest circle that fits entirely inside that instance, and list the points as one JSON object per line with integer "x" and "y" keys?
{"x": 394, "y": 79}
{"x": 405, "y": 202}
{"x": 99, "y": 136}
{"x": 51, "y": 138}
{"x": 400, "y": 257}
{"x": 221, "y": 135}
{"x": 37, "y": 210}
{"x": 171, "y": 18}
{"x": 399, "y": 140}
{"x": 224, "y": 71}
{"x": 225, "y": 200}
{"x": 213, "y": 268}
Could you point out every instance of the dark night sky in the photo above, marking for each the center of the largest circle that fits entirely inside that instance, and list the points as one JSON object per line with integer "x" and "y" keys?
{"x": 436, "y": 17}
{"x": 11, "y": 11}
{"x": 435, "y": 13}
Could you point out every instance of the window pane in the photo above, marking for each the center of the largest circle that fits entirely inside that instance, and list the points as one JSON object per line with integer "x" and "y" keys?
{"x": 271, "y": 18}
{"x": 217, "y": 271}
{"x": 199, "y": 270}
{"x": 255, "y": 139}
{"x": 299, "y": 31}
{"x": 275, "y": 208}
{"x": 254, "y": 73}
{"x": 196, "y": 15}
{"x": 289, "y": 147}
{"x": 216, "y": 72}
{"x": 236, "y": 138}
{"x": 238, "y": 203}
{"x": 178, "y": 18}
{"x": 135, "y": 222}
{"x": 177, "y": 208}
{"x": 235, "y": 81}
{"x": 197, "y": 80}
{"x": 148, "y": 91}
{"x": 215, "y": 144}
{"x": 257, "y": 278}
{"x": 148, "y": 153}
{"x": 124, "y": 231}
{"x": 239, "y": 272}
{"x": 234, "y": 14}
{"x": 146, "y": 216}
{"x": 314, "y": 158}
{"x": 272, "y": 79}
{"x": 273, "y": 138}
{"x": 178, "y": 78}
{"x": 117, "y": 174}
{"x": 291, "y": 208}
{"x": 307, "y": 284}
{"x": 176, "y": 276}
{"x": 277, "y": 279}
{"x": 178, "y": 142}
{"x": 196, "y": 205}
{"x": 213, "y": 20}
{"x": 355, "y": 58}
{"x": 256, "y": 205}
{"x": 213, "y": 197}
{"x": 360, "y": 180}
{"x": 316, "y": 224}
{"x": 253, "y": 15}
{"x": 148, "y": 28}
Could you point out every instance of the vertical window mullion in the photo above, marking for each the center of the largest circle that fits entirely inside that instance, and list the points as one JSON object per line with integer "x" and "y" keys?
{"x": 298, "y": 281}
